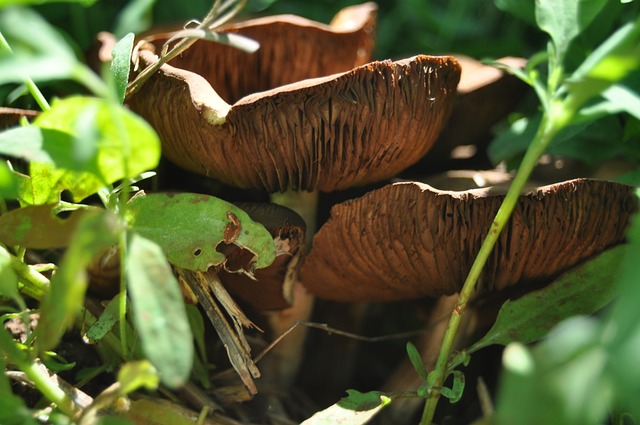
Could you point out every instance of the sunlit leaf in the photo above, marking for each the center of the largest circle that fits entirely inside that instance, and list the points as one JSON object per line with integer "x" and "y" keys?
{"x": 8, "y": 182}
{"x": 611, "y": 62}
{"x": 126, "y": 145}
{"x": 563, "y": 20}
{"x": 356, "y": 408}
{"x": 39, "y": 52}
{"x": 158, "y": 311}
{"x": 39, "y": 227}
{"x": 63, "y": 302}
{"x": 121, "y": 64}
{"x": 137, "y": 374}
{"x": 189, "y": 227}
{"x": 8, "y": 277}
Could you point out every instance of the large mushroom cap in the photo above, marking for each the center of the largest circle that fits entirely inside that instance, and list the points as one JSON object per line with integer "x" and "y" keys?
{"x": 408, "y": 240}
{"x": 327, "y": 133}
{"x": 292, "y": 48}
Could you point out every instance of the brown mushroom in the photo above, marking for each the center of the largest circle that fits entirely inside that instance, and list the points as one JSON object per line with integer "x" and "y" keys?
{"x": 408, "y": 240}
{"x": 272, "y": 286}
{"x": 485, "y": 95}
{"x": 292, "y": 48}
{"x": 328, "y": 133}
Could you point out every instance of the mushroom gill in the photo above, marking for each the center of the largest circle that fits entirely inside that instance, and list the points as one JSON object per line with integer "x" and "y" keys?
{"x": 408, "y": 240}
{"x": 326, "y": 133}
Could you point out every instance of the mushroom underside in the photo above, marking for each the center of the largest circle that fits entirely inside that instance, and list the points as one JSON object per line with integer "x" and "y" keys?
{"x": 324, "y": 134}
{"x": 409, "y": 240}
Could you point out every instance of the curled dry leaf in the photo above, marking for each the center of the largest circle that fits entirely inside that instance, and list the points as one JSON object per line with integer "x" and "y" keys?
{"x": 292, "y": 48}
{"x": 272, "y": 287}
{"x": 328, "y": 133}
{"x": 408, "y": 240}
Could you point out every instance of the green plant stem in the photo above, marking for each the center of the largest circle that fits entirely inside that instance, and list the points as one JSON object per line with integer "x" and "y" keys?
{"x": 560, "y": 114}
{"x": 43, "y": 382}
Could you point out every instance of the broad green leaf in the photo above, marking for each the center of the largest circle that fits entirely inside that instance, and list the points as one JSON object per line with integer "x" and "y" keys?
{"x": 8, "y": 182}
{"x": 188, "y": 227}
{"x": 35, "y": 144}
{"x": 101, "y": 327}
{"x": 356, "y": 408}
{"x": 136, "y": 17}
{"x": 565, "y": 375}
{"x": 416, "y": 360}
{"x": 64, "y": 301}
{"x": 126, "y": 145}
{"x": 610, "y": 63}
{"x": 563, "y": 20}
{"x": 137, "y": 374}
{"x": 39, "y": 51}
{"x": 45, "y": 183}
{"x": 159, "y": 314}
{"x": 584, "y": 289}
{"x": 39, "y": 227}
{"x": 623, "y": 99}
{"x": 121, "y": 64}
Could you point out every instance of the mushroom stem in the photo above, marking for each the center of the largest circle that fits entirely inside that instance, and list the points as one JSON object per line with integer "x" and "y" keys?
{"x": 285, "y": 358}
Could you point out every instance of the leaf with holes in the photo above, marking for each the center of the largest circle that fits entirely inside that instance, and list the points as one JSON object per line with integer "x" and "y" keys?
{"x": 192, "y": 229}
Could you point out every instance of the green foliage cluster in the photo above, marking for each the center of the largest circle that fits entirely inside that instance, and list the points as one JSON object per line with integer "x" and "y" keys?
{"x": 90, "y": 147}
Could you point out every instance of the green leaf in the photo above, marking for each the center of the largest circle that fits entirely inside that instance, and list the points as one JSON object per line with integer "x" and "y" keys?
{"x": 121, "y": 64}
{"x": 158, "y": 311}
{"x": 39, "y": 226}
{"x": 454, "y": 394}
{"x": 137, "y": 374}
{"x": 189, "y": 227}
{"x": 98, "y": 149}
{"x": 584, "y": 289}
{"x": 416, "y": 360}
{"x": 8, "y": 277}
{"x": 115, "y": 127}
{"x": 8, "y": 182}
{"x": 64, "y": 301}
{"x": 563, "y": 20}
{"x": 40, "y": 52}
{"x": 610, "y": 63}
{"x": 36, "y": 144}
{"x": 566, "y": 374}
{"x": 101, "y": 327}
{"x": 623, "y": 99}
{"x": 356, "y": 408}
